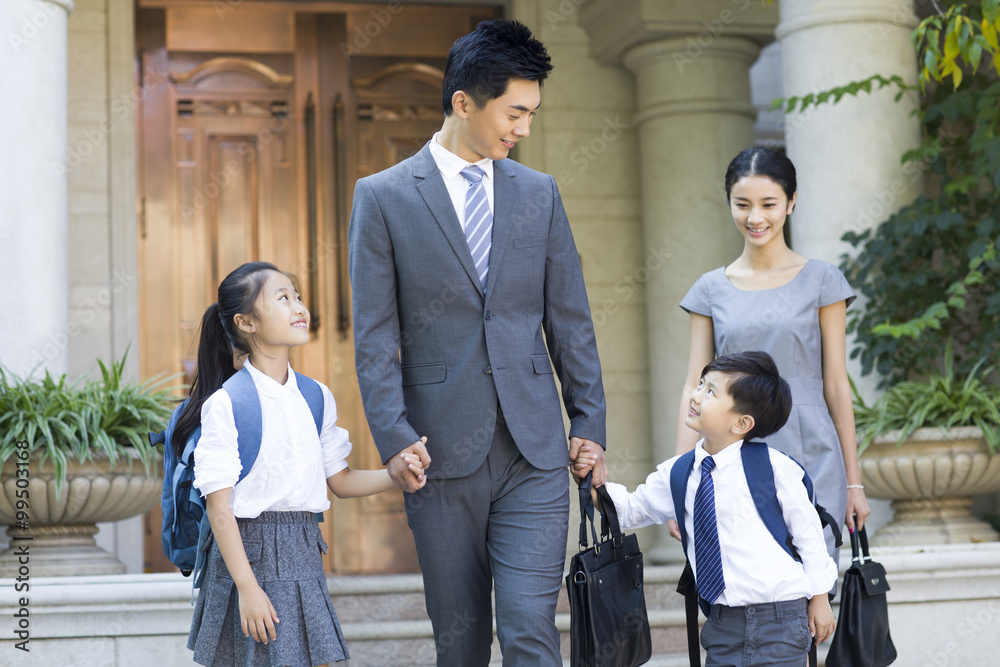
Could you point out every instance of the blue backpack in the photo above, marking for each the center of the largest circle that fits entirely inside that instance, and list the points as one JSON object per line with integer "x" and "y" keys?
{"x": 187, "y": 534}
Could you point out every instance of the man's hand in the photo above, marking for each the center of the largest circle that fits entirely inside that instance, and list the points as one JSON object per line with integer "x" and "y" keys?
{"x": 822, "y": 622}
{"x": 403, "y": 473}
{"x": 586, "y": 455}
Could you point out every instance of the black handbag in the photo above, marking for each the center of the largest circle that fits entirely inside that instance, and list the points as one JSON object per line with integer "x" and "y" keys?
{"x": 608, "y": 623}
{"x": 862, "y": 636}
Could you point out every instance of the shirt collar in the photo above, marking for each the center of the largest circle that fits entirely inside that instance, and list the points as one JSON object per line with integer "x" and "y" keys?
{"x": 450, "y": 165}
{"x": 723, "y": 458}
{"x": 269, "y": 386}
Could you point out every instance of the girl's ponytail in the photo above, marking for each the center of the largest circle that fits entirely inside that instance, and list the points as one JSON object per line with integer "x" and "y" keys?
{"x": 220, "y": 340}
{"x": 215, "y": 366}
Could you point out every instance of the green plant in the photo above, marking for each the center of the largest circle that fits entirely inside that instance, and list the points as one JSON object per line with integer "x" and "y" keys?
{"x": 941, "y": 400}
{"x": 79, "y": 420}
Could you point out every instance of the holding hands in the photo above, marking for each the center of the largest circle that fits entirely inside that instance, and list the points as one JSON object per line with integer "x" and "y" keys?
{"x": 407, "y": 469}
{"x": 585, "y": 456}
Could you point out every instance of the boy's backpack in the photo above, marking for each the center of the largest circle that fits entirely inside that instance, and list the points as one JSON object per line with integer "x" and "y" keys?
{"x": 760, "y": 479}
{"x": 186, "y": 530}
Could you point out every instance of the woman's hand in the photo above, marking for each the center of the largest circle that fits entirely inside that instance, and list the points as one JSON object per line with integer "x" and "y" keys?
{"x": 675, "y": 532}
{"x": 257, "y": 614}
{"x": 857, "y": 503}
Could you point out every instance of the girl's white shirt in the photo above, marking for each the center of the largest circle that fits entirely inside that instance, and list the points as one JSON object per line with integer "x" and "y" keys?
{"x": 294, "y": 461}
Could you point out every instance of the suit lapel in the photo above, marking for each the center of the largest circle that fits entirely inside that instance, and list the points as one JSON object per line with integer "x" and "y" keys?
{"x": 505, "y": 199}
{"x": 435, "y": 194}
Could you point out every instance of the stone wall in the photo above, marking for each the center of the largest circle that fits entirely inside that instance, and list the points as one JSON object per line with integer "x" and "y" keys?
{"x": 100, "y": 165}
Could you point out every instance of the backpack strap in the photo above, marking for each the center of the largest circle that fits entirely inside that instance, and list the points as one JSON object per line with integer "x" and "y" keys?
{"x": 757, "y": 466}
{"x": 249, "y": 419}
{"x": 313, "y": 394}
{"x": 311, "y": 391}
{"x": 680, "y": 472}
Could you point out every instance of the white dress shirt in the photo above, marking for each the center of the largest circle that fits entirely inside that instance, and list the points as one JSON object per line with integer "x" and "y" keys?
{"x": 294, "y": 461}
{"x": 755, "y": 567}
{"x": 451, "y": 166}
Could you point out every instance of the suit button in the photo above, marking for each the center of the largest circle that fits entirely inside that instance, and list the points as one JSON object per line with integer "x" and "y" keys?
{"x": 488, "y": 370}
{"x": 489, "y": 315}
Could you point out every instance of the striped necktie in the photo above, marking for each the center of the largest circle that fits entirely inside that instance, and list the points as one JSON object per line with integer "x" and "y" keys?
{"x": 708, "y": 557}
{"x": 478, "y": 221}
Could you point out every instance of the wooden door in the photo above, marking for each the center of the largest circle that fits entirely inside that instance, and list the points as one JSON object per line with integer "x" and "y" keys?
{"x": 219, "y": 184}
{"x": 254, "y": 128}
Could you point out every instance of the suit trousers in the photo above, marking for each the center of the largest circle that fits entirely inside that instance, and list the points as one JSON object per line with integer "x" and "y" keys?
{"x": 503, "y": 527}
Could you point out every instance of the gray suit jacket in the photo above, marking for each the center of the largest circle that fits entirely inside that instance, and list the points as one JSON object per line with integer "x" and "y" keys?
{"x": 434, "y": 354}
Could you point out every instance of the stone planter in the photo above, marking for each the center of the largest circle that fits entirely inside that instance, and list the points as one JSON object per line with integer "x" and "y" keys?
{"x": 59, "y": 533}
{"x": 931, "y": 479}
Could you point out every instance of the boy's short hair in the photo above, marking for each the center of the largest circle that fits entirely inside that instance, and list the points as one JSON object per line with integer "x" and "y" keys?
{"x": 483, "y": 62}
{"x": 756, "y": 389}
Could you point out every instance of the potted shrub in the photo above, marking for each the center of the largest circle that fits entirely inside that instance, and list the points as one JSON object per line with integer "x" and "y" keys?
{"x": 75, "y": 454}
{"x": 930, "y": 445}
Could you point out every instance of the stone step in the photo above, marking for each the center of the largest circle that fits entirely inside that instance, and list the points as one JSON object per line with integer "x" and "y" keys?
{"x": 385, "y": 622}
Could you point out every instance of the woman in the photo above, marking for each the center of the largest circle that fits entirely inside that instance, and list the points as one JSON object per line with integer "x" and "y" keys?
{"x": 773, "y": 299}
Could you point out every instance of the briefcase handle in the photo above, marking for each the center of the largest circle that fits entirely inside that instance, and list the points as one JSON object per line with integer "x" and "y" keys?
{"x": 610, "y": 526}
{"x": 586, "y": 510}
{"x": 862, "y": 537}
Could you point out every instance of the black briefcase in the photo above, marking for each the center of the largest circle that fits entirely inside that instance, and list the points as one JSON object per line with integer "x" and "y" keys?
{"x": 608, "y": 623}
{"x": 862, "y": 638}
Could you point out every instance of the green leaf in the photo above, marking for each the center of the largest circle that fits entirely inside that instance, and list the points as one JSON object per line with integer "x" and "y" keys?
{"x": 931, "y": 62}
{"x": 951, "y": 48}
{"x": 975, "y": 55}
{"x": 991, "y": 10}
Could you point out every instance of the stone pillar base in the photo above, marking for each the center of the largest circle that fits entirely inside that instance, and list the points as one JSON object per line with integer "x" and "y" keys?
{"x": 56, "y": 551}
{"x": 933, "y": 521}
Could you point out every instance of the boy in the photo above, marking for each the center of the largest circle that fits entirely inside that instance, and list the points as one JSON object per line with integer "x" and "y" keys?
{"x": 765, "y": 605}
{"x": 468, "y": 293}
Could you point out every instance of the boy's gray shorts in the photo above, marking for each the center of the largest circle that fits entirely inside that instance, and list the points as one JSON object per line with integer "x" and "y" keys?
{"x": 775, "y": 634}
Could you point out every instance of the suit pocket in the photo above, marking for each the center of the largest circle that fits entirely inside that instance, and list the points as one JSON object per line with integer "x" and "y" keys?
{"x": 531, "y": 241}
{"x": 541, "y": 364}
{"x": 423, "y": 374}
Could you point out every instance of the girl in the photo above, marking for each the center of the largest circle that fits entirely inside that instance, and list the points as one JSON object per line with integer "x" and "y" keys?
{"x": 265, "y": 568}
{"x": 794, "y": 308}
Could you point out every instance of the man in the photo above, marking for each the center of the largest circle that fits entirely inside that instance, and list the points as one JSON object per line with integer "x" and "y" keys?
{"x": 460, "y": 261}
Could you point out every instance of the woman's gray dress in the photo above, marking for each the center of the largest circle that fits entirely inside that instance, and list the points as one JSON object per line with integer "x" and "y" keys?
{"x": 784, "y": 322}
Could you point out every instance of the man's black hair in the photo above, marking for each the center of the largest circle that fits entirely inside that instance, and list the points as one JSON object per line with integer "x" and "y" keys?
{"x": 485, "y": 61}
{"x": 756, "y": 389}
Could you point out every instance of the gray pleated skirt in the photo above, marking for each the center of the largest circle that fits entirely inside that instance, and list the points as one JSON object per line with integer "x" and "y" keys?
{"x": 285, "y": 552}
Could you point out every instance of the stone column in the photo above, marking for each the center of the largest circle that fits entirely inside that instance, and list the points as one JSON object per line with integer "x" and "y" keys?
{"x": 848, "y": 154}
{"x": 694, "y": 115}
{"x": 34, "y": 329}
{"x": 691, "y": 61}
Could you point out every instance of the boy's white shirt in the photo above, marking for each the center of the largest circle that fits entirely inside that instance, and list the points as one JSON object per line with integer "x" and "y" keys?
{"x": 294, "y": 461}
{"x": 756, "y": 569}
